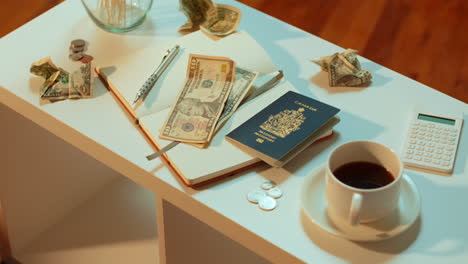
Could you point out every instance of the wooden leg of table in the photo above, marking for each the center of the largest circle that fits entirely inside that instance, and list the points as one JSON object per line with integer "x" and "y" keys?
{"x": 161, "y": 232}
{"x": 5, "y": 249}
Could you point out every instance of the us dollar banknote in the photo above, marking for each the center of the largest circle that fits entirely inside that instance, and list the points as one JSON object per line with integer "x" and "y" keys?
{"x": 225, "y": 22}
{"x": 56, "y": 81}
{"x": 82, "y": 80}
{"x": 242, "y": 83}
{"x": 197, "y": 12}
{"x": 344, "y": 69}
{"x": 194, "y": 115}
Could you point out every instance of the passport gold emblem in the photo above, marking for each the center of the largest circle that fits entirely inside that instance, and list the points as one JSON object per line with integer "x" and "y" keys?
{"x": 285, "y": 122}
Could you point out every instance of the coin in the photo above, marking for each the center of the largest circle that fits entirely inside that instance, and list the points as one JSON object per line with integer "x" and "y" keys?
{"x": 75, "y": 56}
{"x": 275, "y": 193}
{"x": 77, "y": 43}
{"x": 267, "y": 203}
{"x": 76, "y": 49}
{"x": 267, "y": 185}
{"x": 255, "y": 196}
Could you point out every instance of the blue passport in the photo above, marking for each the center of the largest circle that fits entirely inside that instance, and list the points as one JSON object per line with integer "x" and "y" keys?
{"x": 284, "y": 128}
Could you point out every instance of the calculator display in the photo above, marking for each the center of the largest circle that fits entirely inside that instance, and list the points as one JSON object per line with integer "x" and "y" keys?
{"x": 436, "y": 119}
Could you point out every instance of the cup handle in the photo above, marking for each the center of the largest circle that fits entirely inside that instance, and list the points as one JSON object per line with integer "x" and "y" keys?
{"x": 355, "y": 210}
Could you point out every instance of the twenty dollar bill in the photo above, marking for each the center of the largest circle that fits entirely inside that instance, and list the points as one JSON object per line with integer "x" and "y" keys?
{"x": 194, "y": 116}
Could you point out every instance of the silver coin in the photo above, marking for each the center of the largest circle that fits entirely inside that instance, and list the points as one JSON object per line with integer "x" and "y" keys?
{"x": 267, "y": 185}
{"x": 267, "y": 203}
{"x": 275, "y": 192}
{"x": 76, "y": 49}
{"x": 78, "y": 43}
{"x": 255, "y": 196}
{"x": 76, "y": 56}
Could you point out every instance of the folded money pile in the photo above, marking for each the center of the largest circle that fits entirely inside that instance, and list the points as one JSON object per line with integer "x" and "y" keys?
{"x": 344, "y": 69}
{"x": 214, "y": 19}
{"x": 213, "y": 90}
{"x": 59, "y": 84}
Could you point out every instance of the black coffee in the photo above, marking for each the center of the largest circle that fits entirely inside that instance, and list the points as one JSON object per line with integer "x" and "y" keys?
{"x": 363, "y": 175}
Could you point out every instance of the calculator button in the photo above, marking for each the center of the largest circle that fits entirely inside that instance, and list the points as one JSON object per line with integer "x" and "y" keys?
{"x": 445, "y": 163}
{"x": 410, "y": 151}
{"x": 446, "y": 129}
{"x": 451, "y": 143}
{"x": 420, "y": 137}
{"x": 416, "y": 123}
{"x": 423, "y": 129}
{"x": 437, "y": 156}
{"x": 453, "y": 130}
{"x": 413, "y": 141}
{"x": 419, "y": 153}
{"x": 437, "y": 131}
{"x": 422, "y": 133}
{"x": 435, "y": 139}
{"x": 453, "y": 134}
{"x": 430, "y": 149}
{"x": 424, "y": 125}
{"x": 427, "y": 154}
{"x": 414, "y": 132}
{"x": 427, "y": 160}
{"x": 430, "y": 144}
{"x": 437, "y": 136}
{"x": 439, "y": 151}
{"x": 449, "y": 148}
{"x": 417, "y": 158}
{"x": 409, "y": 156}
{"x": 420, "y": 148}
{"x": 413, "y": 136}
{"x": 421, "y": 143}
{"x": 436, "y": 162}
{"x": 443, "y": 137}
{"x": 446, "y": 158}
{"x": 445, "y": 133}
{"x": 443, "y": 141}
{"x": 411, "y": 146}
{"x": 440, "y": 146}
{"x": 431, "y": 125}
{"x": 448, "y": 153}
{"x": 428, "y": 138}
{"x": 451, "y": 139}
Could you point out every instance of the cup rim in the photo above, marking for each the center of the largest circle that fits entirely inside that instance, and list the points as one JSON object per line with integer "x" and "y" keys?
{"x": 397, "y": 178}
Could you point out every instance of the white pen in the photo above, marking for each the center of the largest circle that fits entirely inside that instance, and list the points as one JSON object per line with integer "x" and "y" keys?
{"x": 167, "y": 59}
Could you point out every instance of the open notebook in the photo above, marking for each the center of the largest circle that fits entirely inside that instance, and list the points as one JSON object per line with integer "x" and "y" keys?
{"x": 193, "y": 165}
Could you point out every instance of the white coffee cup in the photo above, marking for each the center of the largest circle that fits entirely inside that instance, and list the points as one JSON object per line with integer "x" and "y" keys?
{"x": 351, "y": 205}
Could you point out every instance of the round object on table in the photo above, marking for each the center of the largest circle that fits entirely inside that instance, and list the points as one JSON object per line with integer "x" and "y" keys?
{"x": 77, "y": 43}
{"x": 75, "y": 56}
{"x": 255, "y": 196}
{"x": 267, "y": 203}
{"x": 267, "y": 185}
{"x": 275, "y": 192}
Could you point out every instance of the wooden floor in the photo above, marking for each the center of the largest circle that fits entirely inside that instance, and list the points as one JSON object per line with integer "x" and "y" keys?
{"x": 425, "y": 40}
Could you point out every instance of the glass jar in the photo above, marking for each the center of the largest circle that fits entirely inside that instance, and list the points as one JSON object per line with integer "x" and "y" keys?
{"x": 117, "y": 15}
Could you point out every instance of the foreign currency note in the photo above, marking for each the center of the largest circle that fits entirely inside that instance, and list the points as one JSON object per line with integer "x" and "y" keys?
{"x": 199, "y": 104}
{"x": 225, "y": 22}
{"x": 196, "y": 11}
{"x": 82, "y": 80}
{"x": 242, "y": 82}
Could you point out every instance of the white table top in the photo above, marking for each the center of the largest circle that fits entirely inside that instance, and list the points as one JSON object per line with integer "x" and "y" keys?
{"x": 380, "y": 113}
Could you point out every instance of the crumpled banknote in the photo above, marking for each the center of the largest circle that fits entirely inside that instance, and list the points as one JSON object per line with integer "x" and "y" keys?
{"x": 59, "y": 84}
{"x": 344, "y": 69}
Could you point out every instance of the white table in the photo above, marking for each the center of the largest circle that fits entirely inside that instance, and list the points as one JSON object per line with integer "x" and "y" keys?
{"x": 100, "y": 128}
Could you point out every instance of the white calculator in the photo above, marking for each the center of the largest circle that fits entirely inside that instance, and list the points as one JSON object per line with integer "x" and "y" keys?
{"x": 432, "y": 140}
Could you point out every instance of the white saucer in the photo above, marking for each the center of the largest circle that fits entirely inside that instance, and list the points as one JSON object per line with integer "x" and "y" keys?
{"x": 314, "y": 205}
